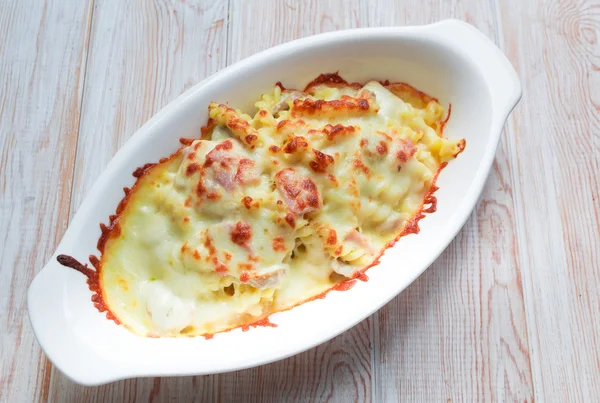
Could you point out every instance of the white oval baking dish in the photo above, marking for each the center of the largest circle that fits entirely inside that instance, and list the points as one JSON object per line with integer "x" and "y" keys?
{"x": 450, "y": 60}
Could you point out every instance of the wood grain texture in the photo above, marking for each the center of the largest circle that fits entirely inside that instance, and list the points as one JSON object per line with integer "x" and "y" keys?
{"x": 260, "y": 24}
{"x": 555, "y": 151}
{"x": 42, "y": 61}
{"x": 509, "y": 312}
{"x": 142, "y": 55}
{"x": 459, "y": 332}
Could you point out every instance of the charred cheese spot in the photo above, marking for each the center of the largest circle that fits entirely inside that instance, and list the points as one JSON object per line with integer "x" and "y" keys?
{"x": 338, "y": 130}
{"x": 200, "y": 188}
{"x": 361, "y": 167}
{"x": 281, "y": 124}
{"x": 296, "y": 144}
{"x": 320, "y": 107}
{"x": 321, "y": 161}
{"x": 406, "y": 151}
{"x": 247, "y": 202}
{"x": 333, "y": 180}
{"x": 138, "y": 173}
{"x": 279, "y": 244}
{"x": 291, "y": 220}
{"x": 300, "y": 193}
{"x": 210, "y": 246}
{"x": 332, "y": 80}
{"x": 241, "y": 234}
{"x": 246, "y": 267}
{"x": 250, "y": 139}
{"x": 410, "y": 94}
{"x": 331, "y": 237}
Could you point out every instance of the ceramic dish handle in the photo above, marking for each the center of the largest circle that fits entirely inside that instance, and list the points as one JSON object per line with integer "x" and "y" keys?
{"x": 498, "y": 72}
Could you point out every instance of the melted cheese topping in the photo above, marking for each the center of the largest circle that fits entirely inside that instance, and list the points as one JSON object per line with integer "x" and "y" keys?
{"x": 265, "y": 212}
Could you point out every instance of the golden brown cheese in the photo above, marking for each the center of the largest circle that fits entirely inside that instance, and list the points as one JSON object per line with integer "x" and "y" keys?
{"x": 264, "y": 212}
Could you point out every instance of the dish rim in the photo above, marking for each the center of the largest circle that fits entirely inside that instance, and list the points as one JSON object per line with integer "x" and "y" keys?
{"x": 502, "y": 108}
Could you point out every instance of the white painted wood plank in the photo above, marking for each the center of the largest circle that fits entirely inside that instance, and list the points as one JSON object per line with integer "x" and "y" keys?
{"x": 459, "y": 332}
{"x": 260, "y": 24}
{"x": 339, "y": 370}
{"x": 336, "y": 371}
{"x": 555, "y": 148}
{"x": 142, "y": 55}
{"x": 42, "y": 64}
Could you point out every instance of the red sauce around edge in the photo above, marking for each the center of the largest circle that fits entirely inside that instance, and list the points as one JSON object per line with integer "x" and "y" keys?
{"x": 264, "y": 322}
{"x": 93, "y": 281}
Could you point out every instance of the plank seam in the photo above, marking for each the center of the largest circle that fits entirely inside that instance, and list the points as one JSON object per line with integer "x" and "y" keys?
{"x": 48, "y": 393}
{"x": 228, "y": 33}
{"x": 508, "y": 128}
{"x": 85, "y": 71}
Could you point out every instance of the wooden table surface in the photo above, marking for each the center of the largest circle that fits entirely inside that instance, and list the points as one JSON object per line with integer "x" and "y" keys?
{"x": 509, "y": 312}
